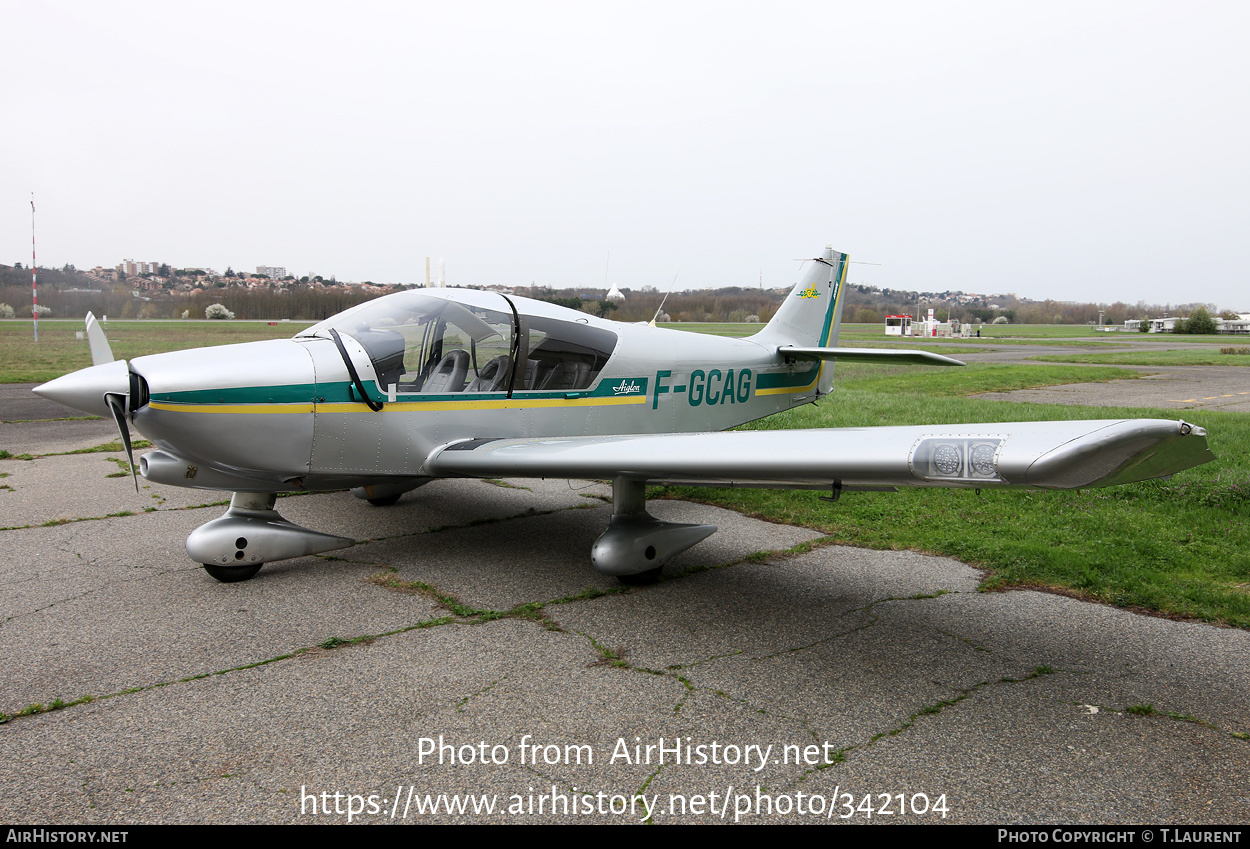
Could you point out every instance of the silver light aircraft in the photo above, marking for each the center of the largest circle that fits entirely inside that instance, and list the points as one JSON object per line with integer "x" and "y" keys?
{"x": 441, "y": 383}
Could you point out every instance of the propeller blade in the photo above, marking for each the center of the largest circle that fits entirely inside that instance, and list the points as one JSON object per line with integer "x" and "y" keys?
{"x": 101, "y": 353}
{"x": 117, "y": 404}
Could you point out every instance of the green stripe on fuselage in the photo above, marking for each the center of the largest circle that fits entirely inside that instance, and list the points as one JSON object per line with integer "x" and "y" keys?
{"x": 343, "y": 392}
{"x": 299, "y": 393}
{"x": 776, "y": 380}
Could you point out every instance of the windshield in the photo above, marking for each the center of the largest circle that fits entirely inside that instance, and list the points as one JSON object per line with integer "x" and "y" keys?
{"x": 423, "y": 343}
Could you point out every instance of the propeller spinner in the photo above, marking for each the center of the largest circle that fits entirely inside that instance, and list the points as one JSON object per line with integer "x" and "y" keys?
{"x": 108, "y": 387}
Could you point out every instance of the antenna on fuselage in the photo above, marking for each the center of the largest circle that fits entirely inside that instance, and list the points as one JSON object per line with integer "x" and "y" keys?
{"x": 660, "y": 308}
{"x": 848, "y": 262}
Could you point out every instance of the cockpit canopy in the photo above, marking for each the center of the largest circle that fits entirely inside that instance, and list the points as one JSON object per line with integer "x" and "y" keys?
{"x": 453, "y": 341}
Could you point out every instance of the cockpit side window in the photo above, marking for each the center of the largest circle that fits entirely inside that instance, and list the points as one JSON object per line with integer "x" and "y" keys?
{"x": 565, "y": 355}
{"x": 462, "y": 349}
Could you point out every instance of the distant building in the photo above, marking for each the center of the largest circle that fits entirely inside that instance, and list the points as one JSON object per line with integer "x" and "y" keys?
{"x": 273, "y": 272}
{"x": 614, "y": 294}
{"x": 898, "y": 325}
{"x": 130, "y": 268}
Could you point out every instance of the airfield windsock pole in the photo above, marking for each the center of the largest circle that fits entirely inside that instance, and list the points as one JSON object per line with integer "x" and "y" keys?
{"x": 34, "y": 270}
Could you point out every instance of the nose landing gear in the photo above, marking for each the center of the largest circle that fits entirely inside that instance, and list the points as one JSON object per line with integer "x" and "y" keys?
{"x": 250, "y": 534}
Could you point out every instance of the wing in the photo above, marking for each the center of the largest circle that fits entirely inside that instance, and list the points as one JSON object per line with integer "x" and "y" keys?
{"x": 1050, "y": 455}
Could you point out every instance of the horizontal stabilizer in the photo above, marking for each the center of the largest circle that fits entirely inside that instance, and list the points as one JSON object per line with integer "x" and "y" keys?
{"x": 881, "y": 356}
{"x": 1048, "y": 455}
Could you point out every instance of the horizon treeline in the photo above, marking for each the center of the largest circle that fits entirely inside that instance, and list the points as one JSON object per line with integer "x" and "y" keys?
{"x": 64, "y": 292}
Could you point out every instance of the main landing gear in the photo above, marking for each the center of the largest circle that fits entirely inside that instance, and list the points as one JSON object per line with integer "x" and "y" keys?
{"x": 636, "y": 545}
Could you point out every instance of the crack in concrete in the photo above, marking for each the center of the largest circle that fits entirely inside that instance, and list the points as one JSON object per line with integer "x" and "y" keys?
{"x": 641, "y": 791}
{"x": 758, "y": 557}
{"x": 472, "y": 523}
{"x": 330, "y": 644}
{"x": 535, "y": 611}
{"x": 462, "y": 614}
{"x": 460, "y": 704}
{"x": 616, "y": 658}
{"x": 52, "y": 523}
{"x": 66, "y": 547}
{"x": 1149, "y": 710}
{"x": 504, "y": 484}
{"x": 964, "y": 640}
{"x": 141, "y": 572}
{"x": 961, "y": 693}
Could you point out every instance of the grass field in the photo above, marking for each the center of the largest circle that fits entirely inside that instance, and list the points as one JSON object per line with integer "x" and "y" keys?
{"x": 1211, "y": 357}
{"x": 715, "y": 328}
{"x": 988, "y": 331}
{"x": 1179, "y": 547}
{"x": 58, "y": 352}
{"x": 1003, "y": 331}
{"x": 1038, "y": 331}
{"x": 943, "y": 382}
{"x": 1048, "y": 335}
{"x": 1181, "y": 340}
{"x": 873, "y": 334}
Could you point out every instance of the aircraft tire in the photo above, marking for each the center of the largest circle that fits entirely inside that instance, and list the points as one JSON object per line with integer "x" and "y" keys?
{"x": 641, "y": 579}
{"x": 384, "y": 501}
{"x": 233, "y": 574}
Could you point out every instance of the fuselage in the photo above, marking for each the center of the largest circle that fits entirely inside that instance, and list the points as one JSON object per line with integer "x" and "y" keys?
{"x": 443, "y": 365}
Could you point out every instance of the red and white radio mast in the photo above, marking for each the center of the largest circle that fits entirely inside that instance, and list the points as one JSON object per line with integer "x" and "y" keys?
{"x": 34, "y": 270}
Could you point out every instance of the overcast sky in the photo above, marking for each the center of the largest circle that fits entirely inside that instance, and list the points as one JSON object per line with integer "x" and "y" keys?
{"x": 1081, "y": 151}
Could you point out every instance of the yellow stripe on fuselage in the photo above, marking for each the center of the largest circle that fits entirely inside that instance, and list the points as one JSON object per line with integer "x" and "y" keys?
{"x": 501, "y": 404}
{"x": 235, "y": 409}
{"x": 398, "y": 406}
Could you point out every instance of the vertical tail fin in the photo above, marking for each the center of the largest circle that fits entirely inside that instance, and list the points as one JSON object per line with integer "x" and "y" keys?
{"x": 811, "y": 314}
